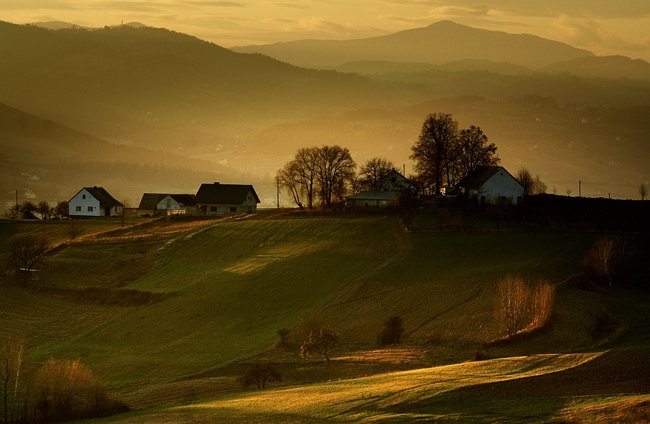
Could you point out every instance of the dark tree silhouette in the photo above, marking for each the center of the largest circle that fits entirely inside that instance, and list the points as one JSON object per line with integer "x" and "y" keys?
{"x": 372, "y": 174}
{"x": 283, "y": 333}
{"x": 61, "y": 210}
{"x": 643, "y": 191}
{"x": 320, "y": 340}
{"x": 392, "y": 331}
{"x": 260, "y": 374}
{"x": 472, "y": 151}
{"x": 531, "y": 185}
{"x": 44, "y": 209}
{"x": 326, "y": 172}
{"x": 25, "y": 250}
{"x": 431, "y": 152}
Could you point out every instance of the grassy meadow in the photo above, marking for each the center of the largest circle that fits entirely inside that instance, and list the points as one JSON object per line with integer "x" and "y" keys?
{"x": 169, "y": 312}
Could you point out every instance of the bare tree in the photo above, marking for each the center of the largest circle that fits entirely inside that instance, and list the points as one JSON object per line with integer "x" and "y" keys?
{"x": 372, "y": 174}
{"x": 12, "y": 365}
{"x": 25, "y": 250}
{"x": 431, "y": 151}
{"x": 471, "y": 151}
{"x": 335, "y": 173}
{"x": 299, "y": 176}
{"x": 320, "y": 340}
{"x": 601, "y": 259}
{"x": 523, "y": 306}
{"x": 532, "y": 185}
{"x": 44, "y": 209}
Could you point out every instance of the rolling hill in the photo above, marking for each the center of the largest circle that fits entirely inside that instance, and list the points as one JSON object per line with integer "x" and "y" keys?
{"x": 438, "y": 43}
{"x": 181, "y": 307}
{"x": 605, "y": 67}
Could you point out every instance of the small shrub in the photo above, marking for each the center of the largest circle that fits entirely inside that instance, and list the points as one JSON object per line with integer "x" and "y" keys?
{"x": 392, "y": 331}
{"x": 283, "y": 333}
{"x": 604, "y": 325}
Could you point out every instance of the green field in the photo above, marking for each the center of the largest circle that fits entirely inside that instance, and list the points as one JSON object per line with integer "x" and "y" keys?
{"x": 168, "y": 313}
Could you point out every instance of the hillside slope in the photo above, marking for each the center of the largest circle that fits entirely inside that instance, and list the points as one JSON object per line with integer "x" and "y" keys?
{"x": 51, "y": 162}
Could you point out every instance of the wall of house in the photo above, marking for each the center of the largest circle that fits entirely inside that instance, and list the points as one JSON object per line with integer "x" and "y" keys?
{"x": 84, "y": 204}
{"x": 224, "y": 209}
{"x": 501, "y": 187}
{"x": 168, "y": 203}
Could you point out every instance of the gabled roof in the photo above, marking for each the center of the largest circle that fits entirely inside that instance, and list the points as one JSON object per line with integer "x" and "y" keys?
{"x": 150, "y": 200}
{"x": 224, "y": 193}
{"x": 475, "y": 179}
{"x": 184, "y": 199}
{"x": 105, "y": 199}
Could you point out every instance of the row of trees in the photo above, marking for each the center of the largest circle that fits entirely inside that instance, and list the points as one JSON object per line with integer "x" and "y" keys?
{"x": 443, "y": 155}
{"x": 26, "y": 209}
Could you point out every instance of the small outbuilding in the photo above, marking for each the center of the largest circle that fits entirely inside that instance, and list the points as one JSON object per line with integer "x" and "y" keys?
{"x": 222, "y": 199}
{"x": 94, "y": 201}
{"x": 490, "y": 185}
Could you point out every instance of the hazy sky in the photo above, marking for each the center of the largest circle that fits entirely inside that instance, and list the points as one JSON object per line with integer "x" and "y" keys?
{"x": 602, "y": 26}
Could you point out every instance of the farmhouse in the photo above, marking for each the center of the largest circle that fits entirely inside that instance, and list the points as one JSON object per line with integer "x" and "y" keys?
{"x": 221, "y": 199}
{"x": 171, "y": 204}
{"x": 490, "y": 185}
{"x": 393, "y": 186}
{"x": 94, "y": 201}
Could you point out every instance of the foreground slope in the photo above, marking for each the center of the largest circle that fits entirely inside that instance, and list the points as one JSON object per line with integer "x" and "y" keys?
{"x": 537, "y": 388}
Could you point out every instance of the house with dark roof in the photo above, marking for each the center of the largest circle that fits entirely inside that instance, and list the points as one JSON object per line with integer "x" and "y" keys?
{"x": 221, "y": 199}
{"x": 94, "y": 201}
{"x": 163, "y": 203}
{"x": 490, "y": 185}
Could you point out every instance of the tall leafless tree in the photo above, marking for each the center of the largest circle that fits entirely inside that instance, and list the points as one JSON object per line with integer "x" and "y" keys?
{"x": 431, "y": 152}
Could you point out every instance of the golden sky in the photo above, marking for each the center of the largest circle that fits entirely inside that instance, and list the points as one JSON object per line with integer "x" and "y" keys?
{"x": 602, "y": 26}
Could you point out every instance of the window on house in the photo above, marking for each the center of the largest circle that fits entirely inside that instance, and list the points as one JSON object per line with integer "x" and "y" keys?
{"x": 213, "y": 208}
{"x": 233, "y": 209}
{"x": 78, "y": 209}
{"x": 90, "y": 208}
{"x": 83, "y": 196}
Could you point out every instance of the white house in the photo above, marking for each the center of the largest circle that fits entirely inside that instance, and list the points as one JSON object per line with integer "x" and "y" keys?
{"x": 94, "y": 201}
{"x": 491, "y": 185}
{"x": 221, "y": 199}
{"x": 172, "y": 204}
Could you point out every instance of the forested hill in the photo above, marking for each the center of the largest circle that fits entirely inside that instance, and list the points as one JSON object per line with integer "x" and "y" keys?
{"x": 123, "y": 81}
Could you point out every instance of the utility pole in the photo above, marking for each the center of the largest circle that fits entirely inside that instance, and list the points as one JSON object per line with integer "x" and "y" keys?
{"x": 579, "y": 188}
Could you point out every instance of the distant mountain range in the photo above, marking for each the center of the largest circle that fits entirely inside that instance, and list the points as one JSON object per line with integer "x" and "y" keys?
{"x": 436, "y": 44}
{"x": 453, "y": 47}
{"x": 169, "y": 104}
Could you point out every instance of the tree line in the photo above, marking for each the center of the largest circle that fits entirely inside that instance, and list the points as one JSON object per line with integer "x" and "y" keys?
{"x": 443, "y": 155}
{"x": 28, "y": 208}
